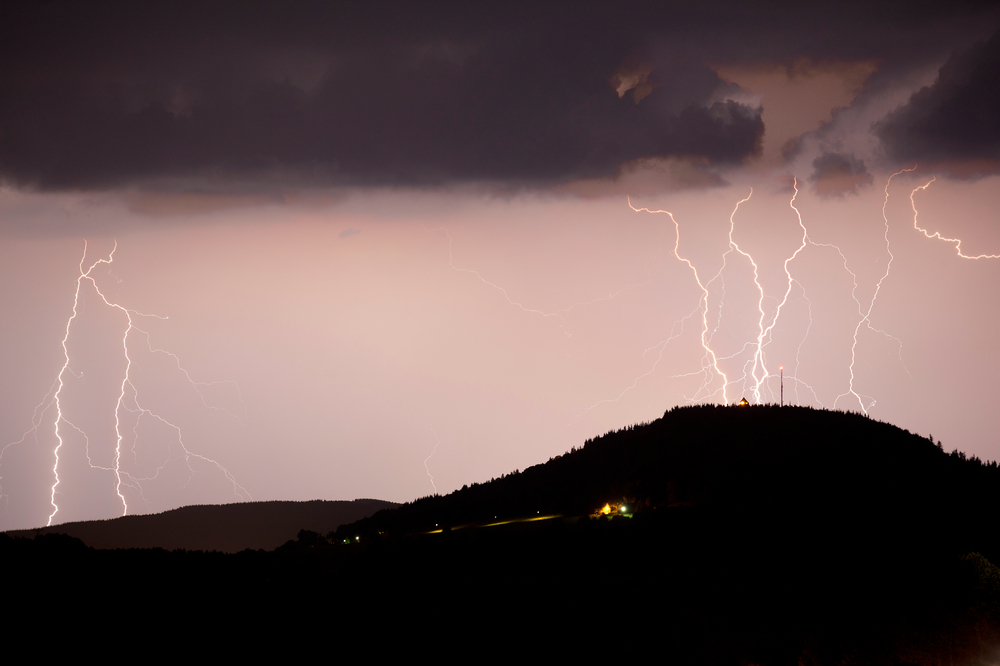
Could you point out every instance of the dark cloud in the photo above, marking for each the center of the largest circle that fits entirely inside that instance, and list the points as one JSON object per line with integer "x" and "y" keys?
{"x": 101, "y": 95}
{"x": 955, "y": 122}
{"x": 835, "y": 174}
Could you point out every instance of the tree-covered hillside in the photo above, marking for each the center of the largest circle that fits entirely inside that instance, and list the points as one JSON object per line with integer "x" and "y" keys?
{"x": 746, "y": 535}
{"x": 764, "y": 463}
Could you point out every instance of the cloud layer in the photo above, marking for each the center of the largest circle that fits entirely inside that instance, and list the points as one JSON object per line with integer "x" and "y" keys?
{"x": 836, "y": 175}
{"x": 115, "y": 94}
{"x": 954, "y": 121}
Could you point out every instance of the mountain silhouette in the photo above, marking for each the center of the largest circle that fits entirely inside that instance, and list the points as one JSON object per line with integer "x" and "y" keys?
{"x": 755, "y": 535}
{"x": 714, "y": 535}
{"x": 802, "y": 469}
{"x": 227, "y": 528}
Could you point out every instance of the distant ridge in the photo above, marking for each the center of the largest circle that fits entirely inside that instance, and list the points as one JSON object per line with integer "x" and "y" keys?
{"x": 227, "y": 528}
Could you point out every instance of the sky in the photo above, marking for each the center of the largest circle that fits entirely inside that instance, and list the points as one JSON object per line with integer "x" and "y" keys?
{"x": 329, "y": 251}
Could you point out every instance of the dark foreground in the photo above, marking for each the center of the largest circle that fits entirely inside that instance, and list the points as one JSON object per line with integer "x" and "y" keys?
{"x": 757, "y": 537}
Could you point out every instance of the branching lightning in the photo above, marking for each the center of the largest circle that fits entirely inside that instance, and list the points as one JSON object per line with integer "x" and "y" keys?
{"x": 866, "y": 315}
{"x": 710, "y": 360}
{"x": 765, "y": 332}
{"x": 127, "y": 395}
{"x": 755, "y": 369}
{"x": 560, "y": 314}
{"x": 718, "y": 369}
{"x": 936, "y": 234}
{"x": 710, "y": 367}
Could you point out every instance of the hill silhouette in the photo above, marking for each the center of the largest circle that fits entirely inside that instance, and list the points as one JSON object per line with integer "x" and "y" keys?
{"x": 763, "y": 464}
{"x": 227, "y": 528}
{"x": 758, "y": 535}
{"x": 744, "y": 535}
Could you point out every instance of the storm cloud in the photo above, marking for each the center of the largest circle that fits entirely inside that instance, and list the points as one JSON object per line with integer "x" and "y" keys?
{"x": 156, "y": 93}
{"x": 836, "y": 175}
{"x": 113, "y": 94}
{"x": 953, "y": 122}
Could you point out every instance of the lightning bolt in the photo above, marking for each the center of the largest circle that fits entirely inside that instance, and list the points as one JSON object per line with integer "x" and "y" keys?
{"x": 755, "y": 370}
{"x": 866, "y": 315}
{"x": 798, "y": 351}
{"x": 956, "y": 241}
{"x": 675, "y": 331}
{"x": 437, "y": 443}
{"x": 710, "y": 360}
{"x": 765, "y": 332}
{"x": 560, "y": 314}
{"x": 718, "y": 322}
{"x": 54, "y": 399}
{"x": 59, "y": 380}
{"x": 36, "y": 421}
{"x": 715, "y": 383}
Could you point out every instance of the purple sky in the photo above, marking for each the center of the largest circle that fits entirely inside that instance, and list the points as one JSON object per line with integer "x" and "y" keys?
{"x": 377, "y": 250}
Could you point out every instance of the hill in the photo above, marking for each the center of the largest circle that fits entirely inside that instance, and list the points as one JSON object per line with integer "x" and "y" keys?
{"x": 227, "y": 528}
{"x": 756, "y": 535}
{"x": 737, "y": 535}
{"x": 798, "y": 467}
